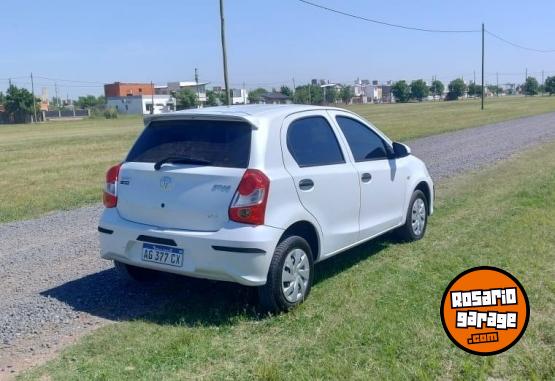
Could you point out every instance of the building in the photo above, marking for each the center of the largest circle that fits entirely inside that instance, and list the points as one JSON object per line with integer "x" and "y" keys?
{"x": 141, "y": 104}
{"x": 274, "y": 98}
{"x": 239, "y": 96}
{"x": 121, "y": 89}
{"x": 373, "y": 92}
{"x": 508, "y": 88}
{"x": 174, "y": 87}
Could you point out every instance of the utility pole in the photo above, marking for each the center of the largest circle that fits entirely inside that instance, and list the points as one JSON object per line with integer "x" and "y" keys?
{"x": 56, "y": 92}
{"x": 497, "y": 83}
{"x": 525, "y": 78}
{"x": 198, "y": 91}
{"x": 224, "y": 54}
{"x": 34, "y": 99}
{"x": 474, "y": 76}
{"x": 309, "y": 95}
{"x": 151, "y": 98}
{"x": 294, "y": 87}
{"x": 482, "y": 66}
{"x": 543, "y": 83}
{"x": 244, "y": 94}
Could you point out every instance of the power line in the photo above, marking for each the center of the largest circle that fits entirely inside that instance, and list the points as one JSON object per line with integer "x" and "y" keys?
{"x": 518, "y": 45}
{"x": 12, "y": 78}
{"x": 68, "y": 80}
{"x": 387, "y": 23}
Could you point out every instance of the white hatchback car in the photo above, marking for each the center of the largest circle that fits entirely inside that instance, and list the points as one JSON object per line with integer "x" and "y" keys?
{"x": 258, "y": 194}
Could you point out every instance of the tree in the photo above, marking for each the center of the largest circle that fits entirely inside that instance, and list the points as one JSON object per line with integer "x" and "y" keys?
{"x": 254, "y": 95}
{"x": 20, "y": 104}
{"x": 549, "y": 86}
{"x": 346, "y": 94}
{"x": 531, "y": 86}
{"x": 437, "y": 87}
{"x": 457, "y": 88}
{"x": 494, "y": 89}
{"x": 2, "y": 98}
{"x": 474, "y": 90}
{"x": 286, "y": 91}
{"x": 316, "y": 95}
{"x": 401, "y": 91}
{"x": 90, "y": 101}
{"x": 331, "y": 94}
{"x": 308, "y": 94}
{"x": 211, "y": 98}
{"x": 186, "y": 98}
{"x": 302, "y": 95}
{"x": 419, "y": 90}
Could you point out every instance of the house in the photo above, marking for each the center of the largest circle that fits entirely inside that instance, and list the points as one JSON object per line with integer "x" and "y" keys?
{"x": 274, "y": 98}
{"x": 508, "y": 88}
{"x": 121, "y": 89}
{"x": 141, "y": 104}
{"x": 373, "y": 92}
{"x": 387, "y": 96}
{"x": 173, "y": 87}
{"x": 239, "y": 96}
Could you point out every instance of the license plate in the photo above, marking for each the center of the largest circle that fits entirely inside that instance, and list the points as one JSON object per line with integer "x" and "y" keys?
{"x": 165, "y": 255}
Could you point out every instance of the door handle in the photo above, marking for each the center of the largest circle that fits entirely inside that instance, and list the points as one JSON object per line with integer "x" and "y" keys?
{"x": 366, "y": 177}
{"x": 306, "y": 184}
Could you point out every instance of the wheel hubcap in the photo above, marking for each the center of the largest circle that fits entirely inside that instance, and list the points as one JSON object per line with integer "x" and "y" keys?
{"x": 295, "y": 275}
{"x": 418, "y": 218}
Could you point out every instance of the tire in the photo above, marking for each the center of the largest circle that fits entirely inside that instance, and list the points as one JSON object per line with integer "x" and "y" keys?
{"x": 416, "y": 220}
{"x": 136, "y": 274}
{"x": 278, "y": 294}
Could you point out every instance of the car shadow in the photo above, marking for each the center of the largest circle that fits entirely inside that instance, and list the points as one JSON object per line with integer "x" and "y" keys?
{"x": 184, "y": 301}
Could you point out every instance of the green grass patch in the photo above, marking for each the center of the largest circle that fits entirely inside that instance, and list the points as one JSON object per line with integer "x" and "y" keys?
{"x": 374, "y": 310}
{"x": 413, "y": 120}
{"x": 61, "y": 165}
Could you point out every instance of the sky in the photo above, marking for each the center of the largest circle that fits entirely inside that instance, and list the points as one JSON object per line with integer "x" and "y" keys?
{"x": 270, "y": 42}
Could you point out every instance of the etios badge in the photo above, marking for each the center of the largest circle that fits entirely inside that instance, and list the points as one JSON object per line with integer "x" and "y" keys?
{"x": 166, "y": 183}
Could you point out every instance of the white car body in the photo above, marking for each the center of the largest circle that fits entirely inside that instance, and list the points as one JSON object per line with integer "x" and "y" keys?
{"x": 187, "y": 205}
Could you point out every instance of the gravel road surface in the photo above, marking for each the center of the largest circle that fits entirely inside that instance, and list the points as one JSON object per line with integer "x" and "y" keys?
{"x": 54, "y": 287}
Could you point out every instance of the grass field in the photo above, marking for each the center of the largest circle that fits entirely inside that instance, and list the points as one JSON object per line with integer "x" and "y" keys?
{"x": 413, "y": 120}
{"x": 373, "y": 312}
{"x": 61, "y": 165}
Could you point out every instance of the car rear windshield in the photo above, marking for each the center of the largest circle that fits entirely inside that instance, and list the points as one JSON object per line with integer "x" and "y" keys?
{"x": 219, "y": 143}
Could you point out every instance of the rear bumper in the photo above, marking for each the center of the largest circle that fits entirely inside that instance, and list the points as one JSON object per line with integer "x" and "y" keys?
{"x": 237, "y": 253}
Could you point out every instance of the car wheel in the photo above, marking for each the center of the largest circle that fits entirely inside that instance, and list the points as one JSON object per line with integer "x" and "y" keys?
{"x": 289, "y": 277}
{"x": 134, "y": 273}
{"x": 417, "y": 218}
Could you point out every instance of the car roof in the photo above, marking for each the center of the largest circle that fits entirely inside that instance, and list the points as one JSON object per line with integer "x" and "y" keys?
{"x": 265, "y": 111}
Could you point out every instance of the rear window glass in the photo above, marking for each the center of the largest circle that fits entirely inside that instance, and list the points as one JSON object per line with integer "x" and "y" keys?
{"x": 221, "y": 143}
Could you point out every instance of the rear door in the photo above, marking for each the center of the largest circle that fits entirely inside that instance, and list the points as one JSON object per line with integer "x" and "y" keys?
{"x": 326, "y": 182}
{"x": 382, "y": 182}
{"x": 193, "y": 190}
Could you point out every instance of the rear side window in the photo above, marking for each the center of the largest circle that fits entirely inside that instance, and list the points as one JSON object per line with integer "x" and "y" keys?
{"x": 312, "y": 142}
{"x": 365, "y": 144}
{"x": 221, "y": 143}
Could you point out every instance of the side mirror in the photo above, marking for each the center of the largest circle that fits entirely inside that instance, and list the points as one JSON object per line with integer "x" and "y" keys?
{"x": 401, "y": 150}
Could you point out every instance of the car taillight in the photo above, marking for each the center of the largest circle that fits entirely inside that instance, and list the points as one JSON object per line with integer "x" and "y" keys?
{"x": 249, "y": 202}
{"x": 110, "y": 196}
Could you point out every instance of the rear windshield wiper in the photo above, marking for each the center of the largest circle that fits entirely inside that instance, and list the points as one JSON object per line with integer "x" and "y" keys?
{"x": 180, "y": 160}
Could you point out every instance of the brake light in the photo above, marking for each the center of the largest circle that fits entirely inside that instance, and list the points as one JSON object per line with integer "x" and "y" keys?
{"x": 110, "y": 196}
{"x": 248, "y": 205}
